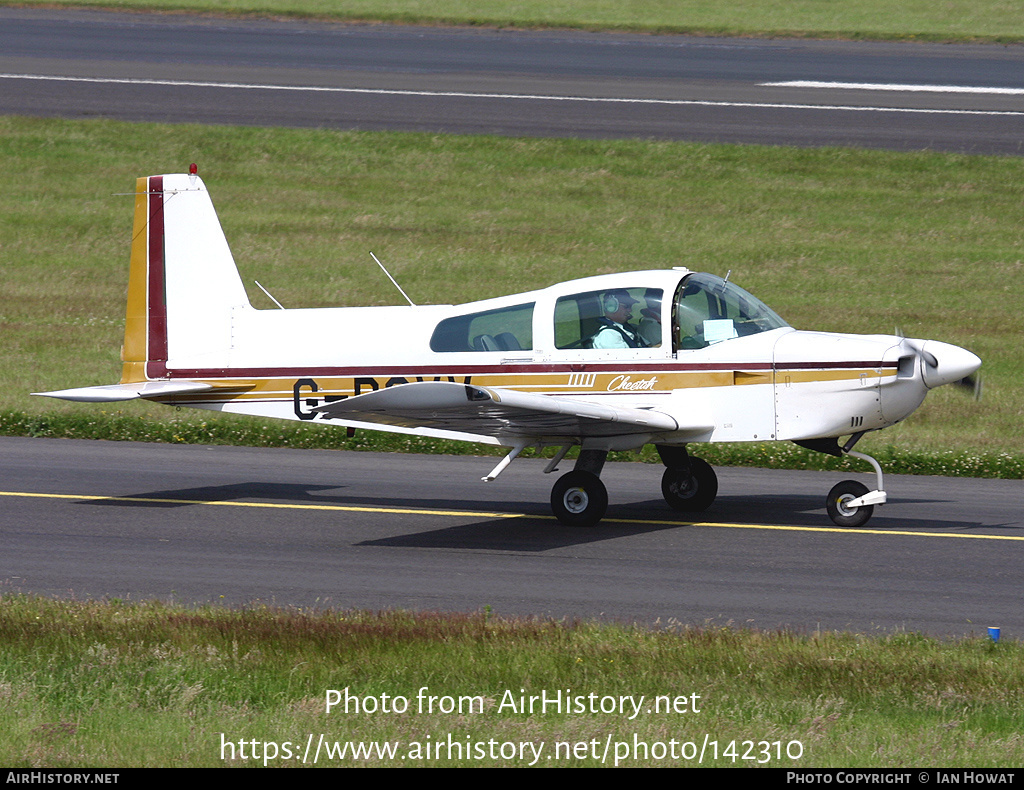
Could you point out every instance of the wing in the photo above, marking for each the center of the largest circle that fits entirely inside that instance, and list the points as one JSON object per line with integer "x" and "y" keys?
{"x": 499, "y": 413}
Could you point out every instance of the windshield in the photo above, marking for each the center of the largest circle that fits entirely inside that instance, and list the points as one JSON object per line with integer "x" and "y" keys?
{"x": 709, "y": 310}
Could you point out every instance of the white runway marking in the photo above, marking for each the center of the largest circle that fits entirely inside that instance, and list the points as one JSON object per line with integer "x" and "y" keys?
{"x": 506, "y": 96}
{"x": 871, "y": 86}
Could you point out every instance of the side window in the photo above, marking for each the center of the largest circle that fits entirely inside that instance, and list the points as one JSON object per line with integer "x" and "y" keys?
{"x": 576, "y": 319}
{"x": 616, "y": 318}
{"x": 505, "y": 329}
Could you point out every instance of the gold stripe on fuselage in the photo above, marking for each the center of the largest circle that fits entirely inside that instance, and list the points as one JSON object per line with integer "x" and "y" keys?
{"x": 628, "y": 382}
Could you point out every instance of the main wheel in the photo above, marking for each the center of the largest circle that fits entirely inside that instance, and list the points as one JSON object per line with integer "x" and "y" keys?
{"x": 693, "y": 491}
{"x": 579, "y": 499}
{"x": 840, "y": 512}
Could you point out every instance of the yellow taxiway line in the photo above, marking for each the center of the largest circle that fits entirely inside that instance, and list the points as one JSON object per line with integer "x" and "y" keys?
{"x": 491, "y": 514}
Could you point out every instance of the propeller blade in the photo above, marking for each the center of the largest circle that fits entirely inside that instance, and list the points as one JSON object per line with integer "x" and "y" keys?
{"x": 972, "y": 384}
{"x": 927, "y": 356}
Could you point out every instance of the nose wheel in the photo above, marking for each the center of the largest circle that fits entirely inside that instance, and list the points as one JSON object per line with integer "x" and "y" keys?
{"x": 841, "y": 504}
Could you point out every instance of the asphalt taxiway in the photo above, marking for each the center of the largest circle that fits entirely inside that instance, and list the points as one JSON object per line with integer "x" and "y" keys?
{"x": 344, "y": 529}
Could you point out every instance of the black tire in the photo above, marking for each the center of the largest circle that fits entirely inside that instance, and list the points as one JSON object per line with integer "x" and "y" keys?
{"x": 579, "y": 499}
{"x": 693, "y": 491}
{"x": 843, "y": 516}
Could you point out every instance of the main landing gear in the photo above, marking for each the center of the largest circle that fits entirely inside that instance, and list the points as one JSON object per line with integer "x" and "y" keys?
{"x": 580, "y": 499}
{"x": 689, "y": 484}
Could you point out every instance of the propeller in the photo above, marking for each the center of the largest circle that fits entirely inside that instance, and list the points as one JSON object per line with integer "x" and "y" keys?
{"x": 971, "y": 384}
{"x": 943, "y": 363}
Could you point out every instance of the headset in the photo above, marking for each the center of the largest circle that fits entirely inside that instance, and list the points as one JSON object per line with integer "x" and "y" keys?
{"x": 611, "y": 303}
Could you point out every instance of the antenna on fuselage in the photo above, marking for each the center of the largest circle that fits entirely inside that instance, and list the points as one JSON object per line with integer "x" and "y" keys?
{"x": 393, "y": 280}
{"x": 272, "y": 299}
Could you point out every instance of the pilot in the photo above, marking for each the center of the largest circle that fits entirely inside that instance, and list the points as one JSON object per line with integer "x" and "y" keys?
{"x": 615, "y": 330}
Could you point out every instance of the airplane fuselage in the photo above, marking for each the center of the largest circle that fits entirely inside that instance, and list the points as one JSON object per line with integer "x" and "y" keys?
{"x": 780, "y": 383}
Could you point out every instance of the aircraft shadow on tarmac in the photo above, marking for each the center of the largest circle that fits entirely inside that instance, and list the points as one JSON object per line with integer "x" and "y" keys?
{"x": 809, "y": 511}
{"x": 237, "y": 492}
{"x": 534, "y": 529}
{"x": 542, "y": 533}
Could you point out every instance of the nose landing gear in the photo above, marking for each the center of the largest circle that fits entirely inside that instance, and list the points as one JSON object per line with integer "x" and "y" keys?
{"x": 850, "y": 503}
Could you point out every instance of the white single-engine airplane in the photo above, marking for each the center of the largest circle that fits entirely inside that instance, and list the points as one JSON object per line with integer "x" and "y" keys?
{"x": 613, "y": 362}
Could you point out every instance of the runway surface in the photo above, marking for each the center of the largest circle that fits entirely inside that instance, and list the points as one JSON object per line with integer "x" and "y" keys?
{"x": 319, "y": 528}
{"x": 81, "y": 64}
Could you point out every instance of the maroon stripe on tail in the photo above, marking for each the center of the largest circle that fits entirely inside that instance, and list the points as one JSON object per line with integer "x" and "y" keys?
{"x": 156, "y": 292}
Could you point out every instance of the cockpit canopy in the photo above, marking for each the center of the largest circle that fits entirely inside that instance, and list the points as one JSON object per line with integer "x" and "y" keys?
{"x": 705, "y": 310}
{"x": 629, "y": 310}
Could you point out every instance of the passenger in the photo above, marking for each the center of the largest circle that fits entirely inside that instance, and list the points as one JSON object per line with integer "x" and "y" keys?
{"x": 615, "y": 330}
{"x": 650, "y": 321}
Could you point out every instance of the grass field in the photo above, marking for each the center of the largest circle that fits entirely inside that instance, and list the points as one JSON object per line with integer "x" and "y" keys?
{"x": 952, "y": 20}
{"x": 121, "y": 685}
{"x": 838, "y": 240}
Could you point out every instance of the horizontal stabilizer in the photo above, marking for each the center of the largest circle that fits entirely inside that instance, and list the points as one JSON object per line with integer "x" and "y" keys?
{"x": 496, "y": 412}
{"x": 119, "y": 392}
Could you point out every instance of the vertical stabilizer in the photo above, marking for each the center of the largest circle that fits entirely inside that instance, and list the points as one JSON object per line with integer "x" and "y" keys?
{"x": 183, "y": 286}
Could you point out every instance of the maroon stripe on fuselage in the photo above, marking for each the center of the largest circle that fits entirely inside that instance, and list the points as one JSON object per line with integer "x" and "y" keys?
{"x": 442, "y": 370}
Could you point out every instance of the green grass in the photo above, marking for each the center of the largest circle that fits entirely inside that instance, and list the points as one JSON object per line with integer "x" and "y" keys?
{"x": 953, "y": 20}
{"x": 85, "y": 684}
{"x": 833, "y": 239}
